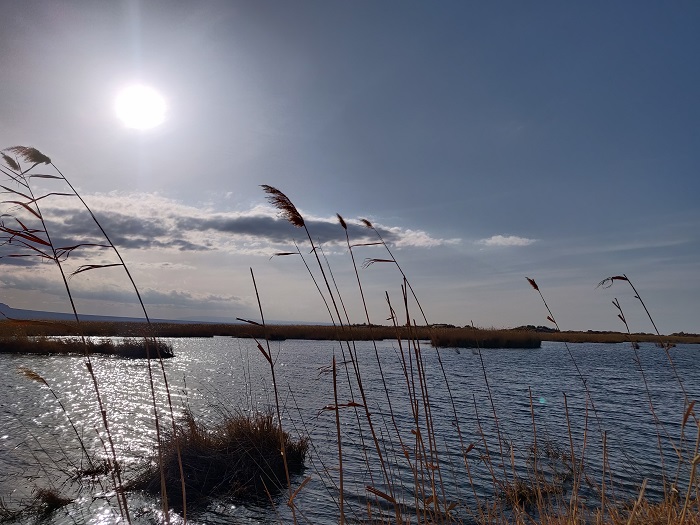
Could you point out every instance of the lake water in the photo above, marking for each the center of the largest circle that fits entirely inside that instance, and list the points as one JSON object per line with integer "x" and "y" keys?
{"x": 217, "y": 375}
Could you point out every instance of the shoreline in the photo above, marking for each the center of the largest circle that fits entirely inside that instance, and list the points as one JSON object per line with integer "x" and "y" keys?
{"x": 439, "y": 335}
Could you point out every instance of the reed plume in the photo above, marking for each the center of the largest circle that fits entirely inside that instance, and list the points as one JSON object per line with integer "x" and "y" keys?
{"x": 287, "y": 209}
{"x": 28, "y": 154}
{"x": 40, "y": 243}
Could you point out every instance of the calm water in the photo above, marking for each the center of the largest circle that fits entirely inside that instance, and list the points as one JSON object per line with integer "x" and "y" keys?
{"x": 225, "y": 374}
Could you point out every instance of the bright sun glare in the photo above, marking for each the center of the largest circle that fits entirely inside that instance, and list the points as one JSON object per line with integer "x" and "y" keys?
{"x": 140, "y": 107}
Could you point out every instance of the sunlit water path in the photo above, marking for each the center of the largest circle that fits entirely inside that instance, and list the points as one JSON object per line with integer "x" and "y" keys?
{"x": 219, "y": 375}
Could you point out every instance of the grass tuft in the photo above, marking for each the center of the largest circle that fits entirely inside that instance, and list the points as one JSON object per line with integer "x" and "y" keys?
{"x": 240, "y": 457}
{"x": 48, "y": 500}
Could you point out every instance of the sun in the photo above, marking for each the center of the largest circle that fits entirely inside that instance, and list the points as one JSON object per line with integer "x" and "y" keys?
{"x": 140, "y": 107}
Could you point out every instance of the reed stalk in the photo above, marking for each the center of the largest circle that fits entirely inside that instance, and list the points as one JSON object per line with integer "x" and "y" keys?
{"x": 31, "y": 241}
{"x": 341, "y": 491}
{"x": 376, "y": 354}
{"x": 608, "y": 282}
{"x": 33, "y": 376}
{"x": 583, "y": 380}
{"x": 280, "y": 201}
{"x": 268, "y": 357}
{"x": 40, "y": 246}
{"x": 166, "y": 385}
{"x": 658, "y": 425}
{"x": 666, "y": 346}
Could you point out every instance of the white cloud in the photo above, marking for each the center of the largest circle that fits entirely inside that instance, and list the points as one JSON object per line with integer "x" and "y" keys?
{"x": 152, "y": 221}
{"x": 419, "y": 239}
{"x": 506, "y": 240}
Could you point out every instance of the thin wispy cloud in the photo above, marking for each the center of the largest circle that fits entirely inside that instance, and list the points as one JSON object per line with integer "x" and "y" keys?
{"x": 506, "y": 240}
{"x": 403, "y": 238}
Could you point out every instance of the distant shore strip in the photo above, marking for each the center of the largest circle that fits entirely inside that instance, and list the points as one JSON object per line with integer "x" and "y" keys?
{"x": 36, "y": 337}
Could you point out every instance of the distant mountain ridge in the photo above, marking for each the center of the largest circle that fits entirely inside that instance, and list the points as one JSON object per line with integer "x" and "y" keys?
{"x": 38, "y": 315}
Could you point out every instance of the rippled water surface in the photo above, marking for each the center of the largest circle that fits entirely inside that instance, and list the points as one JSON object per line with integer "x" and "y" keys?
{"x": 219, "y": 375}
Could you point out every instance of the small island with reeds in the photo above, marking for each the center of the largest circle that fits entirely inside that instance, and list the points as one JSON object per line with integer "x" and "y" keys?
{"x": 131, "y": 348}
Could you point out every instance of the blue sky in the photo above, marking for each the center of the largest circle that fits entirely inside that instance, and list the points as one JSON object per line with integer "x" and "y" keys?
{"x": 487, "y": 141}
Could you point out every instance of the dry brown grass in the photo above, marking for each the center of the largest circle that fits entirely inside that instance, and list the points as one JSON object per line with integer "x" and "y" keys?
{"x": 647, "y": 512}
{"x": 240, "y": 458}
{"x": 524, "y": 336}
{"x": 477, "y": 338}
{"x": 250, "y": 457}
{"x": 38, "y": 510}
{"x": 128, "y": 348}
{"x": 440, "y": 336}
{"x": 617, "y": 337}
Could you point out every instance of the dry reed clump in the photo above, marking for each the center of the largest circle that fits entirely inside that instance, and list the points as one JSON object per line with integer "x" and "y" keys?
{"x": 669, "y": 510}
{"x": 476, "y": 338}
{"x": 44, "y": 502}
{"x": 240, "y": 458}
{"x": 528, "y": 493}
{"x": 548, "y": 480}
{"x": 127, "y": 348}
{"x": 48, "y": 500}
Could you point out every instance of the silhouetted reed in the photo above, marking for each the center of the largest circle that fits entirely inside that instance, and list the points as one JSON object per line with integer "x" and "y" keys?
{"x": 546, "y": 489}
{"x": 412, "y": 474}
{"x": 27, "y": 230}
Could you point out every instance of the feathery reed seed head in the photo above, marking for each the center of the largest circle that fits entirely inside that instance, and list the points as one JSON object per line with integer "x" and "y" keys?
{"x": 341, "y": 221}
{"x": 31, "y": 374}
{"x": 608, "y": 281}
{"x": 30, "y": 154}
{"x": 367, "y": 223}
{"x": 10, "y": 162}
{"x": 280, "y": 201}
{"x": 533, "y": 283}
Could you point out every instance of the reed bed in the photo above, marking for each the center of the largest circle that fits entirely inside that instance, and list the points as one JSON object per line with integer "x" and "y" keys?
{"x": 619, "y": 337}
{"x": 413, "y": 476}
{"x": 439, "y": 335}
{"x": 475, "y": 338}
{"x": 134, "y": 348}
{"x": 527, "y": 488}
{"x": 238, "y": 458}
